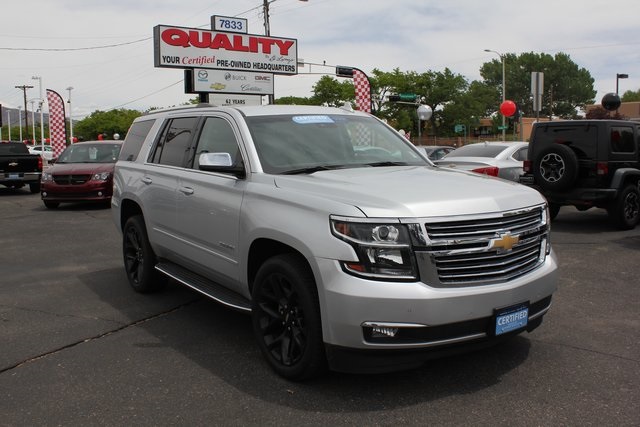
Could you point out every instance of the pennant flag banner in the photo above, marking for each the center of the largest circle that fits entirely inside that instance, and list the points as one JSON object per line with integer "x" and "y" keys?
{"x": 57, "y": 129}
{"x": 363, "y": 90}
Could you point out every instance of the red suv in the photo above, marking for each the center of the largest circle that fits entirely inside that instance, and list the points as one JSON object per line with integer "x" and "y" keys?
{"x": 83, "y": 172}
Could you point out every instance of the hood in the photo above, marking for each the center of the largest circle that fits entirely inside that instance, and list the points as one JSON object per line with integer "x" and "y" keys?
{"x": 80, "y": 168}
{"x": 413, "y": 191}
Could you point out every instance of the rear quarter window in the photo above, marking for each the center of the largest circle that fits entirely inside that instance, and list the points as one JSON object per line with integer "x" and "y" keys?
{"x": 583, "y": 139}
{"x": 135, "y": 138}
{"x": 622, "y": 139}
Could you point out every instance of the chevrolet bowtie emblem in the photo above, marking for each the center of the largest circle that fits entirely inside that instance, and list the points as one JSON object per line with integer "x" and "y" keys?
{"x": 505, "y": 242}
{"x": 13, "y": 164}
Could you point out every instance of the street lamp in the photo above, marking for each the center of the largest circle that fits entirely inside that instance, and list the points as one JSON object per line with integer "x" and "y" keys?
{"x": 70, "y": 88}
{"x": 424, "y": 113}
{"x": 33, "y": 119}
{"x": 504, "y": 91}
{"x": 41, "y": 111}
{"x": 618, "y": 77}
{"x": 20, "y": 120}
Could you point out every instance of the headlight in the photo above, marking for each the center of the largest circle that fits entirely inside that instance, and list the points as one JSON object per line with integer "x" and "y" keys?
{"x": 383, "y": 249}
{"x": 101, "y": 176}
{"x": 46, "y": 176}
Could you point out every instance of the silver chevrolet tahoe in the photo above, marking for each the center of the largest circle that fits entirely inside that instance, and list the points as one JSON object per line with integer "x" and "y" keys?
{"x": 347, "y": 246}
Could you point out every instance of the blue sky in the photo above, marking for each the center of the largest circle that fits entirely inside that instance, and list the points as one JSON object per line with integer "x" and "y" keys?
{"x": 412, "y": 35}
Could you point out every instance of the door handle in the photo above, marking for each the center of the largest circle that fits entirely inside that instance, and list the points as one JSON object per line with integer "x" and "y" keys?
{"x": 146, "y": 180}
{"x": 187, "y": 191}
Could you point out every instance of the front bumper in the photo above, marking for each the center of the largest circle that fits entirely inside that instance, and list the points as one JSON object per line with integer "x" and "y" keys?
{"x": 91, "y": 192}
{"x": 431, "y": 320}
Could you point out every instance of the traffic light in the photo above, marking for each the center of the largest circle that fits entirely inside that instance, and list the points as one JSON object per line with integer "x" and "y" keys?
{"x": 344, "y": 71}
{"x": 406, "y": 97}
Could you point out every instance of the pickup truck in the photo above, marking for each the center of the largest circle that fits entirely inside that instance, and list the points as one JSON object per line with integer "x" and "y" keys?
{"x": 18, "y": 167}
{"x": 347, "y": 246}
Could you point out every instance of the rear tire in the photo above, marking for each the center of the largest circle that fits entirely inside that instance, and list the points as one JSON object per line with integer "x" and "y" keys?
{"x": 625, "y": 210}
{"x": 554, "y": 210}
{"x": 139, "y": 258}
{"x": 286, "y": 318}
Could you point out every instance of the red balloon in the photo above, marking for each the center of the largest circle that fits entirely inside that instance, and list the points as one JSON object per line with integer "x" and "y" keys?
{"x": 508, "y": 108}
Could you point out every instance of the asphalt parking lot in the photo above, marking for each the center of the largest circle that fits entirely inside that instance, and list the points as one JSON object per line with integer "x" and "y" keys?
{"x": 79, "y": 347}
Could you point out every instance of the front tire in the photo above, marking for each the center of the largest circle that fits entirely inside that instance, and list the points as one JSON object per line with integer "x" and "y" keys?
{"x": 286, "y": 317}
{"x": 51, "y": 205}
{"x": 139, "y": 258}
{"x": 625, "y": 210}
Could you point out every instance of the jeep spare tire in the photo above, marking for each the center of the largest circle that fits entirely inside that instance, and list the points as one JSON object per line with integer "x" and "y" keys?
{"x": 555, "y": 168}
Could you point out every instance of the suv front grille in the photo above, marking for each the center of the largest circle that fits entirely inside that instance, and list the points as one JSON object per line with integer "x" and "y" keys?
{"x": 71, "y": 179}
{"x": 485, "y": 250}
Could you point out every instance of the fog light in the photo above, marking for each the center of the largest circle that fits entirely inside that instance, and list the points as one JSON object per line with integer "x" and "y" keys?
{"x": 99, "y": 193}
{"x": 383, "y": 332}
{"x": 44, "y": 194}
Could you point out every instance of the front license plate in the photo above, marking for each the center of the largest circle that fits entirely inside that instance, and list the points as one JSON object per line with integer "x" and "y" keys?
{"x": 14, "y": 176}
{"x": 512, "y": 318}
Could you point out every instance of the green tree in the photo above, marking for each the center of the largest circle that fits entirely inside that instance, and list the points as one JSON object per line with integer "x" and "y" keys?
{"x": 294, "y": 100}
{"x": 567, "y": 87}
{"x": 329, "y": 91}
{"x": 105, "y": 122}
{"x": 631, "y": 96}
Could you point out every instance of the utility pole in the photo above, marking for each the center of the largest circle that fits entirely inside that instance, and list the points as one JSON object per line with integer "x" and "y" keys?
{"x": 26, "y": 114}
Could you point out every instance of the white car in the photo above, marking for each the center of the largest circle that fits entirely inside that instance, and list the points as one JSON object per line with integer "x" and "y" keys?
{"x": 47, "y": 154}
{"x": 502, "y": 159}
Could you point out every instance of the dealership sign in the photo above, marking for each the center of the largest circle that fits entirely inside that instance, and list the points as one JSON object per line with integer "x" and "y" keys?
{"x": 225, "y": 81}
{"x": 177, "y": 47}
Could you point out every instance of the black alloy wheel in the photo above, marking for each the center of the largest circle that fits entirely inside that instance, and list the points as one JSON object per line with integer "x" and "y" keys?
{"x": 139, "y": 259}
{"x": 286, "y": 317}
{"x": 625, "y": 210}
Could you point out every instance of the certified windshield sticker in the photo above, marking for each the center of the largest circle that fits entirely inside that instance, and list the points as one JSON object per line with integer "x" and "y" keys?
{"x": 312, "y": 119}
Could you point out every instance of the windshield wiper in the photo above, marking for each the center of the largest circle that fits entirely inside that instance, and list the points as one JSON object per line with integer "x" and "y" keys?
{"x": 313, "y": 169}
{"x": 387, "y": 163}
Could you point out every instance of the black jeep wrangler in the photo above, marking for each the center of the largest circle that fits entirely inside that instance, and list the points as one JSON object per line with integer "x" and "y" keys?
{"x": 587, "y": 163}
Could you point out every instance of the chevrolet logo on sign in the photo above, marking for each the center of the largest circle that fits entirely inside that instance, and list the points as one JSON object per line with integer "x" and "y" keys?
{"x": 505, "y": 242}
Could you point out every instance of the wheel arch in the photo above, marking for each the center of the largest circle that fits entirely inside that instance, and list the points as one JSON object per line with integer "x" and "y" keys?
{"x": 128, "y": 208}
{"x": 624, "y": 176}
{"x": 264, "y": 248}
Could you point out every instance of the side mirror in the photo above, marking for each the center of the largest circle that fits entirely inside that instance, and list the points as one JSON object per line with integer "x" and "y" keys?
{"x": 220, "y": 162}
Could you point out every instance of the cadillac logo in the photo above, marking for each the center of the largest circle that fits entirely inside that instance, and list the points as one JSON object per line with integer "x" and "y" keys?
{"x": 505, "y": 242}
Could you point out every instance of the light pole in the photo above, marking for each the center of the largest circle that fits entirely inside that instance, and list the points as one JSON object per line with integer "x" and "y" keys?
{"x": 70, "y": 88}
{"x": 618, "y": 77}
{"x": 41, "y": 111}
{"x": 20, "y": 120}
{"x": 267, "y": 28}
{"x": 504, "y": 91}
{"x": 33, "y": 120}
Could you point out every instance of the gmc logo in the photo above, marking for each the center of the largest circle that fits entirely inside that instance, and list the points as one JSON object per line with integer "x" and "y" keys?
{"x": 263, "y": 78}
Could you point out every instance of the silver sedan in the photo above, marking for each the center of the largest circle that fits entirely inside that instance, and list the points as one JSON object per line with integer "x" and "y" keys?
{"x": 501, "y": 159}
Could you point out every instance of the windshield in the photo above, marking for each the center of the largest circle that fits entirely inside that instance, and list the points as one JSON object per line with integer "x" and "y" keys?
{"x": 288, "y": 144}
{"x": 90, "y": 153}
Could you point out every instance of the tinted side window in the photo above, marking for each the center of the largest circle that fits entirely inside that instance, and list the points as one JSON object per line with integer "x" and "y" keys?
{"x": 174, "y": 142}
{"x": 622, "y": 140}
{"x": 217, "y": 137}
{"x": 135, "y": 138}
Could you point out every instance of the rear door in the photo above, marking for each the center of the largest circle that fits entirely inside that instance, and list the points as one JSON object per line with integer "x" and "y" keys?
{"x": 160, "y": 180}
